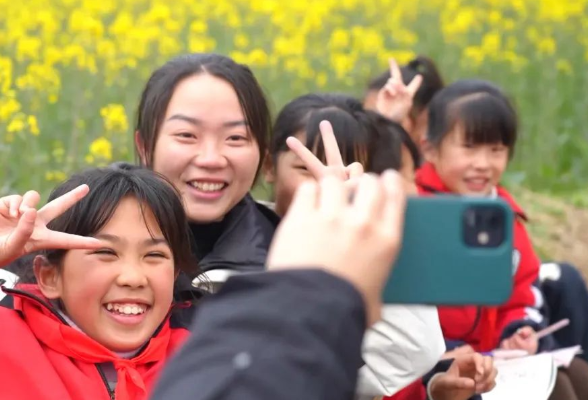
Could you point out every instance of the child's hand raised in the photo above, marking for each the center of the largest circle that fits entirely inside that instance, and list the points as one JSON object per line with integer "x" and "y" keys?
{"x": 395, "y": 98}
{"x": 468, "y": 375}
{"x": 523, "y": 339}
{"x": 356, "y": 239}
{"x": 335, "y": 165}
{"x": 23, "y": 229}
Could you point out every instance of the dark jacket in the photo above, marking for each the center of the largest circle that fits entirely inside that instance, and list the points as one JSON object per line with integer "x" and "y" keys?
{"x": 239, "y": 244}
{"x": 292, "y": 335}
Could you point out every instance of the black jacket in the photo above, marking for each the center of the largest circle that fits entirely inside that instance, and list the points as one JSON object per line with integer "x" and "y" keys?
{"x": 292, "y": 335}
{"x": 243, "y": 243}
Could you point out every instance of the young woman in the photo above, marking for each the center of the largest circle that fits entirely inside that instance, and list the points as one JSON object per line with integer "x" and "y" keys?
{"x": 203, "y": 123}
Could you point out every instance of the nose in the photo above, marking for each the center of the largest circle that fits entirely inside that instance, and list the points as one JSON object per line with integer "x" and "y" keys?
{"x": 131, "y": 275}
{"x": 481, "y": 159}
{"x": 210, "y": 155}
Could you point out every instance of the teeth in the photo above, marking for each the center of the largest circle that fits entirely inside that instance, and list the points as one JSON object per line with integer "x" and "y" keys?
{"x": 207, "y": 186}
{"x": 127, "y": 309}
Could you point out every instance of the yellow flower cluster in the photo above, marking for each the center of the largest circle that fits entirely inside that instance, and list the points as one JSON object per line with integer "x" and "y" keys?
{"x": 71, "y": 71}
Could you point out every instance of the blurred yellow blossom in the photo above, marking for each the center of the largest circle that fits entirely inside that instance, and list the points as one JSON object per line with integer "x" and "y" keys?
{"x": 69, "y": 66}
{"x": 55, "y": 176}
{"x": 33, "y": 125}
{"x": 101, "y": 148}
{"x": 115, "y": 118}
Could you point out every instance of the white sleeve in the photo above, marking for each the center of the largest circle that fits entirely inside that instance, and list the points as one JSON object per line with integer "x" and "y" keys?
{"x": 10, "y": 280}
{"x": 399, "y": 349}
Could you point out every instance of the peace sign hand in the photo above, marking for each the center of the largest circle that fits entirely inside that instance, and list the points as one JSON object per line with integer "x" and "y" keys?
{"x": 335, "y": 165}
{"x": 395, "y": 98}
{"x": 23, "y": 229}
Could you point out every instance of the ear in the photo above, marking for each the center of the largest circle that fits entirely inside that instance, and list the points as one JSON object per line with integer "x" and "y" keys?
{"x": 430, "y": 151}
{"x": 139, "y": 145}
{"x": 48, "y": 277}
{"x": 269, "y": 173}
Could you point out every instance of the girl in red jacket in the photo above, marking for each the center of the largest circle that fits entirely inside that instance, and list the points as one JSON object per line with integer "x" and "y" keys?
{"x": 97, "y": 323}
{"x": 471, "y": 137}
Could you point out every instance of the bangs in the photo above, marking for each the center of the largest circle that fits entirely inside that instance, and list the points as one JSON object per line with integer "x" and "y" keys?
{"x": 350, "y": 135}
{"x": 108, "y": 187}
{"x": 485, "y": 119}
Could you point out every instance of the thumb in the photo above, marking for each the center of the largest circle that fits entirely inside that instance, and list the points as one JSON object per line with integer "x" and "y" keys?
{"x": 23, "y": 231}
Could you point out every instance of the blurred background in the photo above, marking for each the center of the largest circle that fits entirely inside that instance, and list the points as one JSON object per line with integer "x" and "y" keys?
{"x": 71, "y": 72}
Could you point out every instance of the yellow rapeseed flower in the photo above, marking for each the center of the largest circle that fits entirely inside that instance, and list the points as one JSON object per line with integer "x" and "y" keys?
{"x": 101, "y": 149}
{"x": 33, "y": 125}
{"x": 114, "y": 118}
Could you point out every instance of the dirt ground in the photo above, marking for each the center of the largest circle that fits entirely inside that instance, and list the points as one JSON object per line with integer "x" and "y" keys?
{"x": 558, "y": 229}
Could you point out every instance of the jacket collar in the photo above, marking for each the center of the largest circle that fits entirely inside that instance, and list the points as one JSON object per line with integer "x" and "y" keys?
{"x": 244, "y": 243}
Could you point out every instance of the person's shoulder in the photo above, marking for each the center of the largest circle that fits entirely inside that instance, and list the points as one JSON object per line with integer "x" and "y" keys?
{"x": 509, "y": 198}
{"x": 267, "y": 209}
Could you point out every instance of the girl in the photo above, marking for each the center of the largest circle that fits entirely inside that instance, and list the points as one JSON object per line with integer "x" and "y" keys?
{"x": 203, "y": 123}
{"x": 471, "y": 137}
{"x": 374, "y": 142}
{"x": 97, "y": 323}
{"x": 403, "y": 94}
{"x": 363, "y": 140}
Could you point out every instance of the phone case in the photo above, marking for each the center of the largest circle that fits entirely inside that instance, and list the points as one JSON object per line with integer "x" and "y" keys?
{"x": 435, "y": 266}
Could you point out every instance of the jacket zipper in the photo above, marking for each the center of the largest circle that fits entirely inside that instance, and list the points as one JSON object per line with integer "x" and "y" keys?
{"x": 105, "y": 381}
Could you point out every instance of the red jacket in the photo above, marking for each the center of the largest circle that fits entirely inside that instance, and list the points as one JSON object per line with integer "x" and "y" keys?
{"x": 484, "y": 327}
{"x": 44, "y": 358}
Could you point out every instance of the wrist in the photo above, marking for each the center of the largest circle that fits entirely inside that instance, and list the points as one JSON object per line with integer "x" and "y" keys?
{"x": 430, "y": 387}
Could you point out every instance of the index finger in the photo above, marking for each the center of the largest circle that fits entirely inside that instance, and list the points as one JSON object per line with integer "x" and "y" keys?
{"x": 332, "y": 152}
{"x": 415, "y": 84}
{"x": 393, "y": 210}
{"x": 61, "y": 204}
{"x": 61, "y": 240}
{"x": 312, "y": 163}
{"x": 395, "y": 71}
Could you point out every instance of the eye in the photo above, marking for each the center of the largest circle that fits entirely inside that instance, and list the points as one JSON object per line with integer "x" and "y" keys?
{"x": 498, "y": 149}
{"x": 301, "y": 168}
{"x": 157, "y": 254}
{"x": 105, "y": 252}
{"x": 237, "y": 138}
{"x": 185, "y": 135}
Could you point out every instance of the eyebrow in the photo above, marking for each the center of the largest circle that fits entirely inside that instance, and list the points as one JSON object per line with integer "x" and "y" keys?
{"x": 198, "y": 122}
{"x": 117, "y": 239}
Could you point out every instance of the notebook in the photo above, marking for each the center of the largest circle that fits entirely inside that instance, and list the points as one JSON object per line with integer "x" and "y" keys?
{"x": 530, "y": 377}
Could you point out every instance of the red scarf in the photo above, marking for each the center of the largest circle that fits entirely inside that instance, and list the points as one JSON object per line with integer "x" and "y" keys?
{"x": 65, "y": 340}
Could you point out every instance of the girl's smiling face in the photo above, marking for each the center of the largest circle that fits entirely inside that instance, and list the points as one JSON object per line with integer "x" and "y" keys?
{"x": 119, "y": 294}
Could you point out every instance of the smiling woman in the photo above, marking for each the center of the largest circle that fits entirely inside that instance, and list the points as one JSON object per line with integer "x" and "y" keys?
{"x": 203, "y": 122}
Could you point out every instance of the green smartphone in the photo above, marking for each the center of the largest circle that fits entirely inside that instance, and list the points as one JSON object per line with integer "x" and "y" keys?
{"x": 455, "y": 251}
